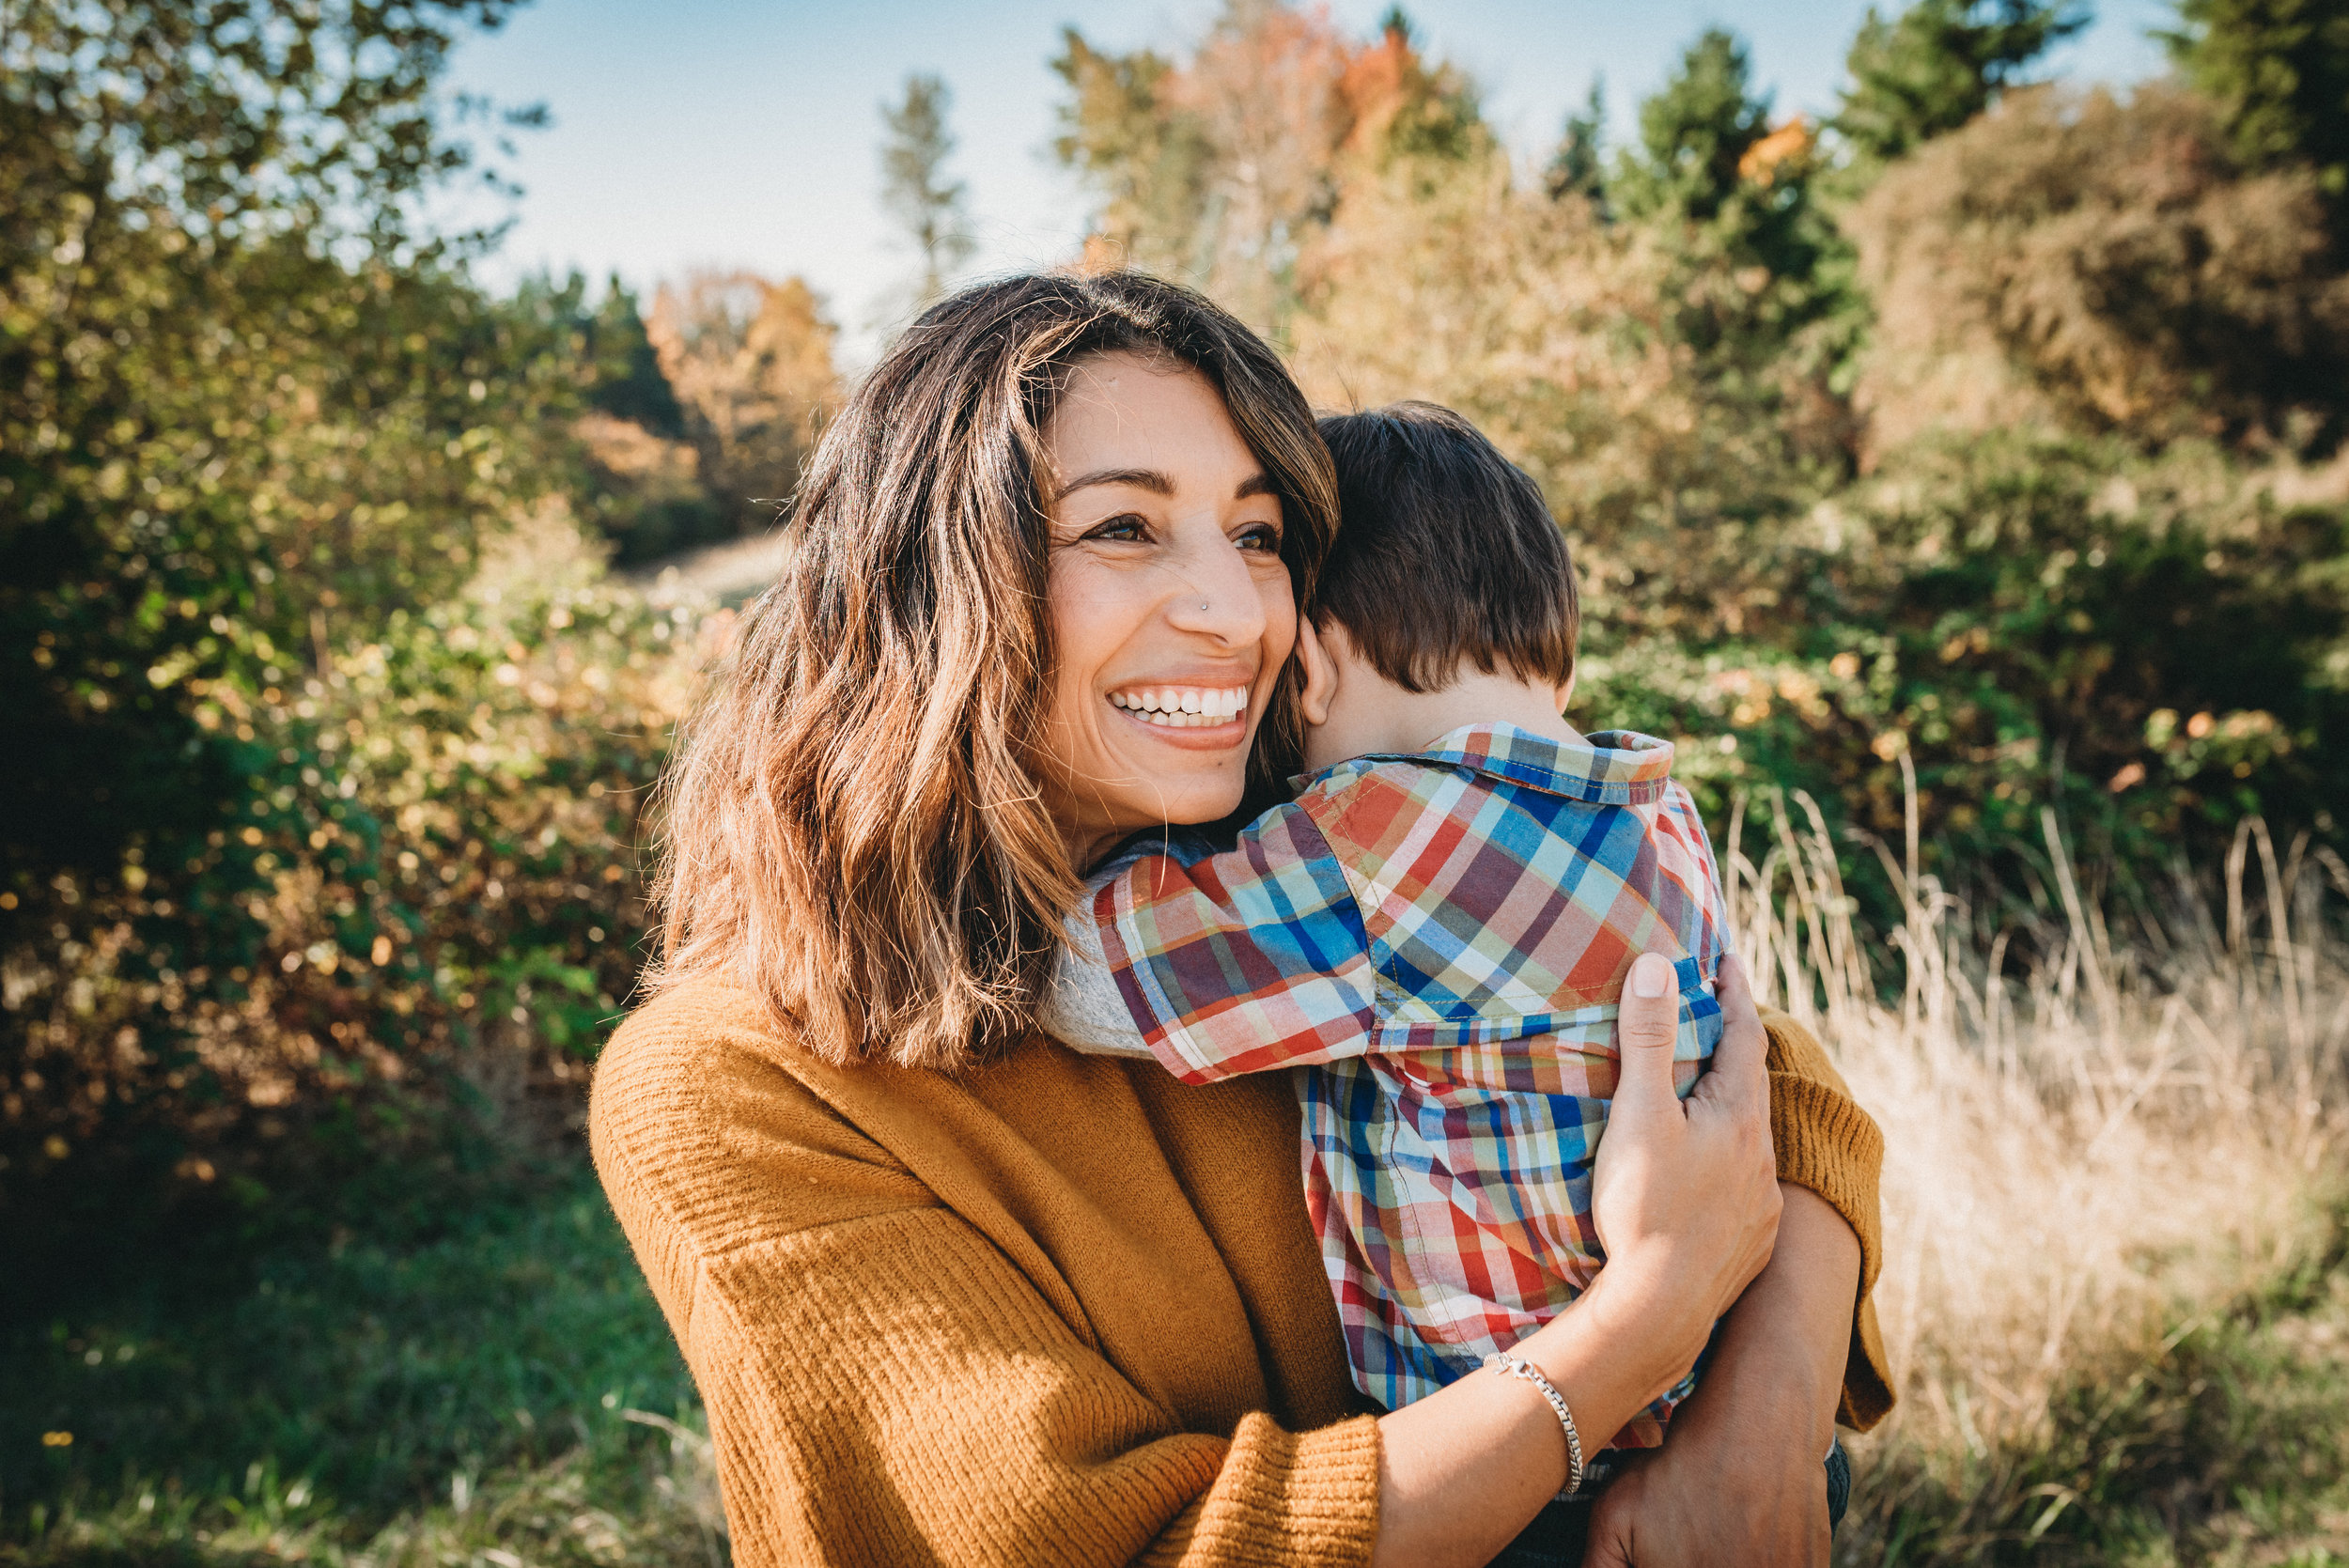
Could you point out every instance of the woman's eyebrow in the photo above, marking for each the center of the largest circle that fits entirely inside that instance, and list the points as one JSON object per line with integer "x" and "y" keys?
{"x": 1258, "y": 482}
{"x": 1140, "y": 478}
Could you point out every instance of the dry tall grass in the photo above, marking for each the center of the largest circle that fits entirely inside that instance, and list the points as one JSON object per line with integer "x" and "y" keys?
{"x": 2084, "y": 1162}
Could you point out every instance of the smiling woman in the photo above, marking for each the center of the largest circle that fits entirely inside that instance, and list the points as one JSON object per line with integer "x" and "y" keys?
{"x": 953, "y": 1293}
{"x": 1049, "y": 491}
{"x": 1172, "y": 606}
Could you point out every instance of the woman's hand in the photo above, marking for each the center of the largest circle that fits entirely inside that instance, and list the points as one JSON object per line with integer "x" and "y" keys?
{"x": 1740, "y": 1479}
{"x": 1684, "y": 1193}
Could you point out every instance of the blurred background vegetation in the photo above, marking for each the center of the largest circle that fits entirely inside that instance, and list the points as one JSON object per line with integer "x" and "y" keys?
{"x": 1962, "y": 473}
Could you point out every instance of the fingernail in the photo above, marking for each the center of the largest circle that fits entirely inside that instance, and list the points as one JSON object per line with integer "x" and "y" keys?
{"x": 1651, "y": 976}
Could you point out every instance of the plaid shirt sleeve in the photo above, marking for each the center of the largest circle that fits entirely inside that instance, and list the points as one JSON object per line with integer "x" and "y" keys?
{"x": 1708, "y": 933}
{"x": 1244, "y": 961}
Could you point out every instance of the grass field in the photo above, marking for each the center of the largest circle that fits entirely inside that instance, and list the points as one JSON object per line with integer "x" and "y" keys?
{"x": 504, "y": 1390}
{"x": 2117, "y": 1290}
{"x": 2114, "y": 1286}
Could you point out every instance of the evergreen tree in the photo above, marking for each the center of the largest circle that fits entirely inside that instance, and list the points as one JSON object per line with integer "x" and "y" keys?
{"x": 1695, "y": 134}
{"x": 628, "y": 383}
{"x": 1938, "y": 64}
{"x": 915, "y": 187}
{"x": 1576, "y": 168}
{"x": 1759, "y": 278}
{"x": 2278, "y": 70}
{"x": 1709, "y": 167}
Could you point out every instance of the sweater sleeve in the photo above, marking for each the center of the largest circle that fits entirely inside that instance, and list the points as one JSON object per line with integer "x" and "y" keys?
{"x": 1827, "y": 1143}
{"x": 884, "y": 1385}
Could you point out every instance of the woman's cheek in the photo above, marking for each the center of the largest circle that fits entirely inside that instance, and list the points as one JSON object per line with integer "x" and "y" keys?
{"x": 1095, "y": 612}
{"x": 1280, "y": 619}
{"x": 1280, "y": 630}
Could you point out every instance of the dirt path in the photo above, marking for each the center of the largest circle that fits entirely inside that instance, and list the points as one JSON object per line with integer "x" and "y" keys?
{"x": 730, "y": 572}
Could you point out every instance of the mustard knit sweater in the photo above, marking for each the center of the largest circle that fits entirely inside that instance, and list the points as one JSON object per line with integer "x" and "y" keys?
{"x": 1058, "y": 1310}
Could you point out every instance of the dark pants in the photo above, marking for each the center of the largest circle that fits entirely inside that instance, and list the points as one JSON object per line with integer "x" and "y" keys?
{"x": 1555, "y": 1538}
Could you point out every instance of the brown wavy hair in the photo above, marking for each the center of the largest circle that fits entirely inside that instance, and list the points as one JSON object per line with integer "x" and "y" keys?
{"x": 852, "y": 826}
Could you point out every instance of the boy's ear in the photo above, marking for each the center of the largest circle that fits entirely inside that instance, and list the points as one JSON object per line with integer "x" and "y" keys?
{"x": 1321, "y": 672}
{"x": 1566, "y": 692}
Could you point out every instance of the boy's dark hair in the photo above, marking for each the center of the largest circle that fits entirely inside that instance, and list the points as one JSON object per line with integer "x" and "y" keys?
{"x": 1445, "y": 553}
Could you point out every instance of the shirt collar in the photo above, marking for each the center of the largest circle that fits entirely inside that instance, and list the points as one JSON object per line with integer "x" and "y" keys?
{"x": 1611, "y": 767}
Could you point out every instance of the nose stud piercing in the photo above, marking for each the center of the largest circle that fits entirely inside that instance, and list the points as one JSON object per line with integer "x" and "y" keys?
{"x": 1203, "y": 604}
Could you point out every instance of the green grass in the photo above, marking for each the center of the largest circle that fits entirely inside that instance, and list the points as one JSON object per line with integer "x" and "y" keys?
{"x": 501, "y": 1390}
{"x": 2224, "y": 1446}
{"x": 491, "y": 1379}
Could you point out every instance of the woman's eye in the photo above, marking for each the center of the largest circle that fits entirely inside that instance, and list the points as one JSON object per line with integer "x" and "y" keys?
{"x": 1263, "y": 536}
{"x": 1127, "y": 527}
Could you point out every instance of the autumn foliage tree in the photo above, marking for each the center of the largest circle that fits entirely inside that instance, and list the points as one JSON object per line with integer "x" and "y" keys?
{"x": 1221, "y": 169}
{"x": 751, "y": 362}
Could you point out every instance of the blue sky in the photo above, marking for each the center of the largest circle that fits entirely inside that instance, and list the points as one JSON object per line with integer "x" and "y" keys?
{"x": 730, "y": 132}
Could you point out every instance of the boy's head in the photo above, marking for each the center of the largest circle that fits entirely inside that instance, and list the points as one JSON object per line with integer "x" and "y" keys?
{"x": 1447, "y": 598}
{"x": 1446, "y": 557}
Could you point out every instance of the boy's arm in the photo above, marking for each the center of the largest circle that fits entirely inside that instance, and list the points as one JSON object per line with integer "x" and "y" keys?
{"x": 1244, "y": 961}
{"x": 1082, "y": 1006}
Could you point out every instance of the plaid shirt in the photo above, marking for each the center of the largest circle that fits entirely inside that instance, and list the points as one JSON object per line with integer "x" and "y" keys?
{"x": 1443, "y": 938}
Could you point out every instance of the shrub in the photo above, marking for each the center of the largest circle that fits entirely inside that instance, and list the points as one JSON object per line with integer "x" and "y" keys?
{"x": 2107, "y": 264}
{"x": 2011, "y": 625}
{"x": 1555, "y": 330}
{"x": 423, "y": 883}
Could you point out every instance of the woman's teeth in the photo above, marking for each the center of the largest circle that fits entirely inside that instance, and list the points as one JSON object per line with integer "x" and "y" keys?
{"x": 1184, "y": 707}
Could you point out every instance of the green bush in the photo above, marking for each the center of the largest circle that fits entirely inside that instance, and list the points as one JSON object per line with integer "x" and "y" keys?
{"x": 311, "y": 804}
{"x": 2149, "y": 647}
{"x": 425, "y": 876}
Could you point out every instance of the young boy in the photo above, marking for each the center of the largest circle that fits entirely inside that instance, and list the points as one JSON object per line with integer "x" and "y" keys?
{"x": 1438, "y": 926}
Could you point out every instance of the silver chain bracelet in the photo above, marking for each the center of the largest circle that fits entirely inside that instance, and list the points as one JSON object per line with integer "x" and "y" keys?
{"x": 1514, "y": 1366}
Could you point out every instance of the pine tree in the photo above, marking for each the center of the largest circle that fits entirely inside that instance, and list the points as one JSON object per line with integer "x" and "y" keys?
{"x": 1576, "y": 168}
{"x": 1938, "y": 64}
{"x": 628, "y": 380}
{"x": 1695, "y": 134}
{"x": 915, "y": 187}
{"x": 2278, "y": 70}
{"x": 1756, "y": 265}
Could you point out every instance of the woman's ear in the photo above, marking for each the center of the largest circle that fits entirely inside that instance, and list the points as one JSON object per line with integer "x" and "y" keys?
{"x": 1321, "y": 672}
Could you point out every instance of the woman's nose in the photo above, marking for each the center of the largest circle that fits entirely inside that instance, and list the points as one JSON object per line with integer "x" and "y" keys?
{"x": 1217, "y": 595}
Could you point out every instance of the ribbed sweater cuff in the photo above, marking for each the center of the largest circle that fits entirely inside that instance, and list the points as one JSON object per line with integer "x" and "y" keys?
{"x": 1827, "y": 1143}
{"x": 1290, "y": 1497}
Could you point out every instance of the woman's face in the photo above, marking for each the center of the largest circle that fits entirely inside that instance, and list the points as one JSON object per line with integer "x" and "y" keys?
{"x": 1170, "y": 609}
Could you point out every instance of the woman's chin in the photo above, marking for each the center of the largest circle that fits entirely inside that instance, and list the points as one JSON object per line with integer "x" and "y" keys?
{"x": 1180, "y": 776}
